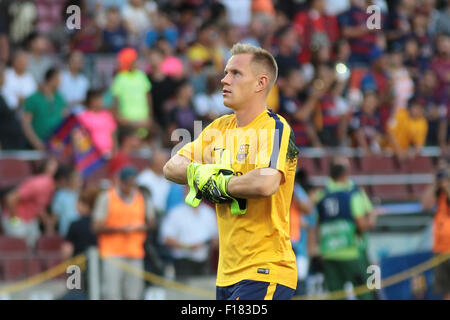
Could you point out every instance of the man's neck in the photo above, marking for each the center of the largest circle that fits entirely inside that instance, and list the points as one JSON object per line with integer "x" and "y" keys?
{"x": 247, "y": 115}
{"x": 47, "y": 91}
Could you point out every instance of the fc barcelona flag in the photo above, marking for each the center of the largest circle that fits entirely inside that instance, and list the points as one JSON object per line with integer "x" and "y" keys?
{"x": 72, "y": 140}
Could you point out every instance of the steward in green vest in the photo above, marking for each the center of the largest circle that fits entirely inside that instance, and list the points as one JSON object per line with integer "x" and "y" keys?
{"x": 343, "y": 217}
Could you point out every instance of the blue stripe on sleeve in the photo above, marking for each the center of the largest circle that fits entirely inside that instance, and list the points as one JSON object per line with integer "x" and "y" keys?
{"x": 279, "y": 126}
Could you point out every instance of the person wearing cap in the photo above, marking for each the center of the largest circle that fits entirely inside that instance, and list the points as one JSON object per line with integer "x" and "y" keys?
{"x": 131, "y": 90}
{"x": 121, "y": 219}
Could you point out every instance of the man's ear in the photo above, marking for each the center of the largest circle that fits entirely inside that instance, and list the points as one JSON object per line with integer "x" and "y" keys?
{"x": 263, "y": 82}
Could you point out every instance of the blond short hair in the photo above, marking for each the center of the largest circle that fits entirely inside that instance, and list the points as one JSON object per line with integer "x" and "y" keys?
{"x": 261, "y": 57}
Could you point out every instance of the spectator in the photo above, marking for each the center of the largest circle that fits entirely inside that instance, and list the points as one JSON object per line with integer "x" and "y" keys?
{"x": 287, "y": 49}
{"x": 138, "y": 16}
{"x": 43, "y": 111}
{"x": 435, "y": 109}
{"x": 162, "y": 85}
{"x": 353, "y": 27}
{"x": 330, "y": 116}
{"x": 341, "y": 214}
{"x": 181, "y": 113}
{"x": 99, "y": 122}
{"x": 229, "y": 36}
{"x": 297, "y": 109}
{"x": 186, "y": 25}
{"x": 209, "y": 105}
{"x": 19, "y": 83}
{"x": 442, "y": 25}
{"x": 131, "y": 90}
{"x": 190, "y": 232}
{"x": 399, "y": 22}
{"x": 11, "y": 135}
{"x": 163, "y": 28}
{"x": 153, "y": 179}
{"x": 238, "y": 12}
{"x": 366, "y": 125}
{"x": 205, "y": 51}
{"x": 315, "y": 28}
{"x": 303, "y": 222}
{"x": 377, "y": 79}
{"x": 402, "y": 84}
{"x": 121, "y": 236}
{"x": 408, "y": 129}
{"x": 440, "y": 64}
{"x": 80, "y": 236}
{"x": 115, "y": 35}
{"x": 128, "y": 141}
{"x": 64, "y": 202}
{"x": 87, "y": 39}
{"x": 39, "y": 59}
{"x": 437, "y": 197}
{"x": 74, "y": 84}
{"x": 26, "y": 205}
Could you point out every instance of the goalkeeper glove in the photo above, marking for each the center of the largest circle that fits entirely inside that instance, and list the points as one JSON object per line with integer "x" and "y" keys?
{"x": 217, "y": 188}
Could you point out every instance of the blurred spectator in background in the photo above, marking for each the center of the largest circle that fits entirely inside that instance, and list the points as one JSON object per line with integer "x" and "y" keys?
{"x": 11, "y": 136}
{"x": 162, "y": 28}
{"x": 39, "y": 59}
{"x": 115, "y": 35}
{"x": 401, "y": 80}
{"x": 128, "y": 141}
{"x": 43, "y": 111}
{"x": 442, "y": 22}
{"x": 131, "y": 90}
{"x": 64, "y": 202}
{"x": 303, "y": 221}
{"x": 377, "y": 79}
{"x": 437, "y": 197}
{"x": 26, "y": 205}
{"x": 288, "y": 49}
{"x": 99, "y": 122}
{"x": 209, "y": 105}
{"x": 153, "y": 179}
{"x": 331, "y": 113}
{"x": 408, "y": 129}
{"x": 138, "y": 16}
{"x": 341, "y": 215}
{"x": 399, "y": 22}
{"x": 162, "y": 85}
{"x": 440, "y": 64}
{"x": 205, "y": 51}
{"x": 353, "y": 25}
{"x": 315, "y": 28}
{"x": 19, "y": 83}
{"x": 80, "y": 236}
{"x": 121, "y": 218}
{"x": 297, "y": 109}
{"x": 87, "y": 39}
{"x": 74, "y": 84}
{"x": 180, "y": 110}
{"x": 365, "y": 125}
{"x": 190, "y": 233}
{"x": 238, "y": 12}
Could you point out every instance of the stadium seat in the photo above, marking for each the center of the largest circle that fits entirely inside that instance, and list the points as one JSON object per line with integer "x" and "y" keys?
{"x": 313, "y": 166}
{"x": 420, "y": 165}
{"x": 13, "y": 172}
{"x": 383, "y": 165}
{"x": 13, "y": 258}
{"x": 389, "y": 193}
{"x": 48, "y": 249}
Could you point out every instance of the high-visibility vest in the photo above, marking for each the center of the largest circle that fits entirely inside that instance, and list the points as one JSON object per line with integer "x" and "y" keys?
{"x": 121, "y": 214}
{"x": 441, "y": 225}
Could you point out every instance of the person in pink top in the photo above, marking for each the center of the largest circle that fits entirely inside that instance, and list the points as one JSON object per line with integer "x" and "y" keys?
{"x": 27, "y": 204}
{"x": 99, "y": 122}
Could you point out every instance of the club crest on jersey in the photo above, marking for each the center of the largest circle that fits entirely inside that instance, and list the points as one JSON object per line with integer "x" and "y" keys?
{"x": 243, "y": 152}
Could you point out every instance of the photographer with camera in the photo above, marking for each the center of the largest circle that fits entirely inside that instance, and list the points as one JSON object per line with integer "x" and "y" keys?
{"x": 437, "y": 197}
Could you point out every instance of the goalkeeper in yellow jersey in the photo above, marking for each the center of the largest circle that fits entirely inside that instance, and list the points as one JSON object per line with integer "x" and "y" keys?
{"x": 245, "y": 163}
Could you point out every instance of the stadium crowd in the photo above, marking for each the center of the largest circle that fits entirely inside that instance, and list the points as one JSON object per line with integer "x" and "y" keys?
{"x": 137, "y": 70}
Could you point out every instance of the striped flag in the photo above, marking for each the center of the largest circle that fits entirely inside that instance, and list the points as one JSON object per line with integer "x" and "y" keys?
{"x": 71, "y": 139}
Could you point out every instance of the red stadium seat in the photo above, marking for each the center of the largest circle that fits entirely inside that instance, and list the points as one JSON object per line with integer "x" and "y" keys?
{"x": 390, "y": 193}
{"x": 13, "y": 172}
{"x": 383, "y": 165}
{"x": 48, "y": 249}
{"x": 420, "y": 165}
{"x": 13, "y": 256}
{"x": 313, "y": 166}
